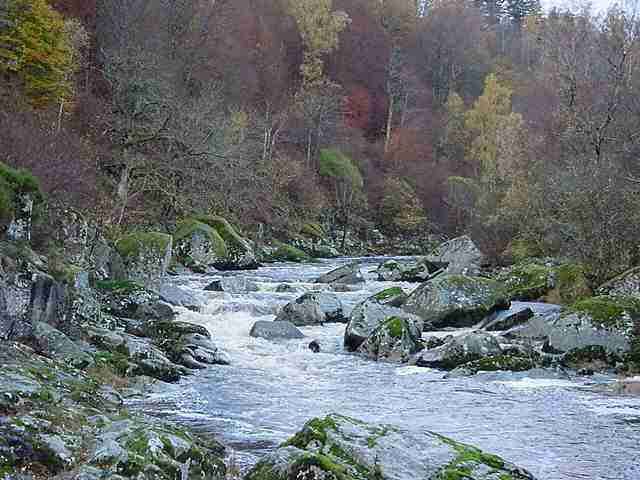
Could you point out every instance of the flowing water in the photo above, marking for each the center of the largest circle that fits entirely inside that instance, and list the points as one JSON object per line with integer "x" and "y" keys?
{"x": 559, "y": 427}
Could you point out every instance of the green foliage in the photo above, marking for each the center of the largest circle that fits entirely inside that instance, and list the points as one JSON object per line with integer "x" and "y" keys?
{"x": 37, "y": 48}
{"x": 13, "y": 183}
{"x": 336, "y": 165}
{"x": 400, "y": 209}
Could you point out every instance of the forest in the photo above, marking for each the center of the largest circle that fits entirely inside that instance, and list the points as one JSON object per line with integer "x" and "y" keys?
{"x": 496, "y": 118}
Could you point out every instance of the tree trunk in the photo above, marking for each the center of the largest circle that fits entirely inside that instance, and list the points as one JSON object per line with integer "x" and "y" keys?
{"x": 387, "y": 140}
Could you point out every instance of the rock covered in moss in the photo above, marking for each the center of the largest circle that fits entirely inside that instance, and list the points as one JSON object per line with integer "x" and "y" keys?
{"x": 459, "y": 350}
{"x": 494, "y": 363}
{"x": 347, "y": 274}
{"x": 211, "y": 241}
{"x": 395, "y": 339}
{"x": 420, "y": 271}
{"x": 146, "y": 256}
{"x": 56, "y": 344}
{"x": 459, "y": 256}
{"x": 371, "y": 312}
{"x": 563, "y": 283}
{"x": 339, "y": 447}
{"x": 313, "y": 308}
{"x": 456, "y": 301}
{"x": 282, "y": 252}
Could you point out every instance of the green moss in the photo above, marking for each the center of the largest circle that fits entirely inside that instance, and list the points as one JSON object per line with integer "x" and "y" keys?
{"x": 571, "y": 283}
{"x": 528, "y": 281}
{"x": 64, "y": 273}
{"x": 468, "y": 458}
{"x": 315, "y": 429}
{"x": 132, "y": 245}
{"x": 188, "y": 227}
{"x": 228, "y": 233}
{"x": 580, "y": 357}
{"x": 288, "y": 253}
{"x": 388, "y": 293}
{"x": 13, "y": 183}
{"x": 313, "y": 230}
{"x": 608, "y": 311}
{"x": 521, "y": 250}
{"x": 500, "y": 362}
{"x": 118, "y": 362}
{"x": 395, "y": 326}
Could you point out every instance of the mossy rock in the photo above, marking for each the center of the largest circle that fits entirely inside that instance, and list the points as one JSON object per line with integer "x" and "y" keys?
{"x": 199, "y": 245}
{"x": 240, "y": 254}
{"x": 288, "y": 253}
{"x": 343, "y": 448}
{"x": 494, "y": 363}
{"x": 313, "y": 230}
{"x": 610, "y": 312}
{"x": 146, "y": 256}
{"x": 521, "y": 250}
{"x": 134, "y": 244}
{"x": 395, "y": 339}
{"x": 571, "y": 285}
{"x": 456, "y": 300}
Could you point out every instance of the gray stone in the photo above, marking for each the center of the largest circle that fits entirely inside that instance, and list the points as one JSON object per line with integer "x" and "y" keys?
{"x": 58, "y": 346}
{"x": 177, "y": 296}
{"x": 313, "y": 308}
{"x": 275, "y": 330}
{"x": 518, "y": 314}
{"x": 456, "y": 301}
{"x": 460, "y": 256}
{"x": 232, "y": 285}
{"x": 459, "y": 350}
{"x": 395, "y": 339}
{"x": 347, "y": 274}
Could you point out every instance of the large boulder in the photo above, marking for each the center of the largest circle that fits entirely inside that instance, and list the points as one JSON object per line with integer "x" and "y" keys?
{"x": 347, "y": 274}
{"x": 55, "y": 344}
{"x": 456, "y": 301}
{"x": 563, "y": 283}
{"x": 519, "y": 313}
{"x": 313, "y": 308}
{"x": 146, "y": 256}
{"x": 395, "y": 339}
{"x": 338, "y": 447}
{"x": 199, "y": 245}
{"x": 211, "y": 241}
{"x": 282, "y": 252}
{"x": 371, "y": 312}
{"x": 275, "y": 330}
{"x": 459, "y": 350}
{"x": 460, "y": 256}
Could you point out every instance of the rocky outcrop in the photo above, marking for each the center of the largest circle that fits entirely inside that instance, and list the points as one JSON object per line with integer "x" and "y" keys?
{"x": 459, "y": 350}
{"x": 456, "y": 301}
{"x": 174, "y": 295}
{"x": 394, "y": 339}
{"x": 347, "y": 274}
{"x": 370, "y": 313}
{"x": 146, "y": 256}
{"x": 313, "y": 308}
{"x": 626, "y": 284}
{"x": 275, "y": 330}
{"x": 48, "y": 409}
{"x": 518, "y": 314}
{"x": 349, "y": 449}
{"x": 459, "y": 256}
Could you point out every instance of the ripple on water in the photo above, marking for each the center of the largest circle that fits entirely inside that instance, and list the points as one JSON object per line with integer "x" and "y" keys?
{"x": 558, "y": 428}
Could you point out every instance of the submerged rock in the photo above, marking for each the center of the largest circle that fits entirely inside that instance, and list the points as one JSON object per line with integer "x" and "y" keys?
{"x": 420, "y": 271}
{"x": 371, "y": 312}
{"x": 275, "y": 330}
{"x": 313, "y": 308}
{"x": 459, "y": 350}
{"x": 232, "y": 285}
{"x": 395, "y": 339}
{"x": 339, "y": 447}
{"x": 456, "y": 301}
{"x": 347, "y": 274}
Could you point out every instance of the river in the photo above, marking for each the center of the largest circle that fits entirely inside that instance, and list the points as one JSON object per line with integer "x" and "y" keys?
{"x": 558, "y": 427}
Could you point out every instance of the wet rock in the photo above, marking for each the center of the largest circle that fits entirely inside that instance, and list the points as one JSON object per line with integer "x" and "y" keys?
{"x": 395, "y": 339}
{"x": 175, "y": 295}
{"x": 347, "y": 274}
{"x": 275, "y": 330}
{"x": 370, "y": 313}
{"x": 314, "y": 346}
{"x": 313, "y": 308}
{"x": 287, "y": 288}
{"x": 459, "y": 351}
{"x": 600, "y": 329}
{"x": 456, "y": 301}
{"x": 518, "y": 314}
{"x": 47, "y": 300}
{"x": 420, "y": 271}
{"x": 282, "y": 252}
{"x": 343, "y": 447}
{"x": 493, "y": 363}
{"x": 232, "y": 285}
{"x": 460, "y": 256}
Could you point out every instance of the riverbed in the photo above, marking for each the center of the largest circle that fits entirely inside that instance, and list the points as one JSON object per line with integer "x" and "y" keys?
{"x": 554, "y": 423}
